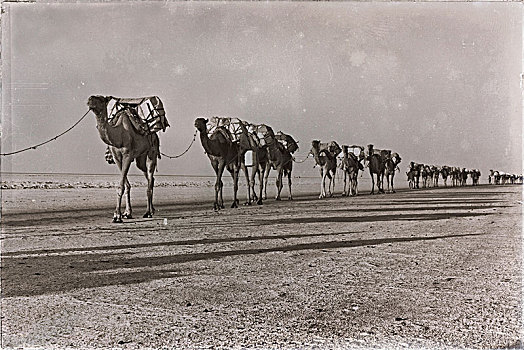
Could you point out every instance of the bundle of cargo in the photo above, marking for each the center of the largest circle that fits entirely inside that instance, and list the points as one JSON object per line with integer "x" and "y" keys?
{"x": 146, "y": 113}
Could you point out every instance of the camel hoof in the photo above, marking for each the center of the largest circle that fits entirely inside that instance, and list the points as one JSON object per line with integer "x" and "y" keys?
{"x": 147, "y": 215}
{"x": 259, "y": 202}
{"x": 127, "y": 216}
{"x": 290, "y": 198}
{"x": 117, "y": 220}
{"x": 234, "y": 205}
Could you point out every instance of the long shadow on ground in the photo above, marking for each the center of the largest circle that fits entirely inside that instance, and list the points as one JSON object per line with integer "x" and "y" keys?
{"x": 51, "y": 274}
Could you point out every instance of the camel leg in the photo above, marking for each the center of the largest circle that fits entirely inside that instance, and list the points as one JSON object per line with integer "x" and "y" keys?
{"x": 246, "y": 173}
{"x": 355, "y": 184}
{"x": 151, "y": 165}
{"x": 290, "y": 197}
{"x": 392, "y": 188}
{"x": 127, "y": 193}
{"x": 124, "y": 165}
{"x": 219, "y": 201}
{"x": 260, "y": 172}
{"x": 255, "y": 170}
{"x": 344, "y": 193}
{"x": 372, "y": 182}
{"x": 280, "y": 172}
{"x": 332, "y": 191}
{"x": 322, "y": 184}
{"x": 266, "y": 177}
{"x": 329, "y": 194}
{"x": 235, "y": 174}
{"x": 380, "y": 183}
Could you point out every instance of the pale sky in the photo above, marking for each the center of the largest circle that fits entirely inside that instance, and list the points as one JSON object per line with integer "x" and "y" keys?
{"x": 439, "y": 83}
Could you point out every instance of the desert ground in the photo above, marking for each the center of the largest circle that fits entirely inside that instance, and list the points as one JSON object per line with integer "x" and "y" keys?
{"x": 435, "y": 268}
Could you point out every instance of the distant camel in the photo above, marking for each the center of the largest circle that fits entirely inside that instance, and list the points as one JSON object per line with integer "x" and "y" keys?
{"x": 463, "y": 177}
{"x": 328, "y": 167}
{"x": 223, "y": 153}
{"x": 413, "y": 174}
{"x": 444, "y": 173}
{"x": 127, "y": 144}
{"x": 376, "y": 165}
{"x": 391, "y": 167}
{"x": 436, "y": 173}
{"x": 455, "y": 176}
{"x": 427, "y": 176}
{"x": 350, "y": 165}
{"x": 279, "y": 158}
{"x": 475, "y": 176}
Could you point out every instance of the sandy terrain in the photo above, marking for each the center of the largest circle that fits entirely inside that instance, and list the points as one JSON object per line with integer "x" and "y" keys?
{"x": 435, "y": 268}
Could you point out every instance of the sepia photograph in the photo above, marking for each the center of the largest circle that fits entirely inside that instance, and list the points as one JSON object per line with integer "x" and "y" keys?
{"x": 261, "y": 175}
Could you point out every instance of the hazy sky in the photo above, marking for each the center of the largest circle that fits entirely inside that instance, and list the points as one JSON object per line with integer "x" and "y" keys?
{"x": 436, "y": 82}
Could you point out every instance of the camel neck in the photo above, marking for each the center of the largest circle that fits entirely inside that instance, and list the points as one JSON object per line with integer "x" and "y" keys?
{"x": 316, "y": 155}
{"x": 104, "y": 129}
{"x": 205, "y": 140}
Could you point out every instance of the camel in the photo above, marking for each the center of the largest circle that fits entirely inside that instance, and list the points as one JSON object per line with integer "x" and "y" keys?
{"x": 455, "y": 176}
{"x": 413, "y": 174}
{"x": 391, "y": 167}
{"x": 223, "y": 154}
{"x": 475, "y": 176}
{"x": 328, "y": 167}
{"x": 436, "y": 173}
{"x": 427, "y": 176}
{"x": 376, "y": 165}
{"x": 463, "y": 177}
{"x": 444, "y": 173}
{"x": 248, "y": 141}
{"x": 279, "y": 158}
{"x": 127, "y": 144}
{"x": 350, "y": 165}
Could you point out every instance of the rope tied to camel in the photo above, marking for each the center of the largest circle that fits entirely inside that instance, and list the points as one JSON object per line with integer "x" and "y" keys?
{"x": 43, "y": 143}
{"x": 187, "y": 149}
{"x": 303, "y": 160}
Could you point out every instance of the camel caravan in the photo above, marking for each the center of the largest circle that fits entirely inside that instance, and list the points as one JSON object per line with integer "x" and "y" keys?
{"x": 226, "y": 142}
{"x": 496, "y": 177}
{"x": 430, "y": 175}
{"x": 129, "y": 127}
{"x": 381, "y": 163}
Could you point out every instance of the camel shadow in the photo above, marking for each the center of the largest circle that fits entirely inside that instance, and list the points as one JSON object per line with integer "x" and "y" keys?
{"x": 51, "y": 274}
{"x": 370, "y": 218}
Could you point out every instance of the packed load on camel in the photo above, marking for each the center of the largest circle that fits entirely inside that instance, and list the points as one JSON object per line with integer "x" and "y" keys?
{"x": 233, "y": 125}
{"x": 146, "y": 113}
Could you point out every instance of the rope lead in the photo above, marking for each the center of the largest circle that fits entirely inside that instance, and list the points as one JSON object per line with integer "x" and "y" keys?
{"x": 43, "y": 143}
{"x": 181, "y": 154}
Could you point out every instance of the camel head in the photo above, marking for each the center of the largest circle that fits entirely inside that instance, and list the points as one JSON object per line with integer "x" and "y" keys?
{"x": 315, "y": 144}
{"x": 98, "y": 103}
{"x": 201, "y": 124}
{"x": 396, "y": 158}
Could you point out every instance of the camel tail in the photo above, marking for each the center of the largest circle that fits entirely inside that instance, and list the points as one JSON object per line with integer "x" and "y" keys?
{"x": 109, "y": 156}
